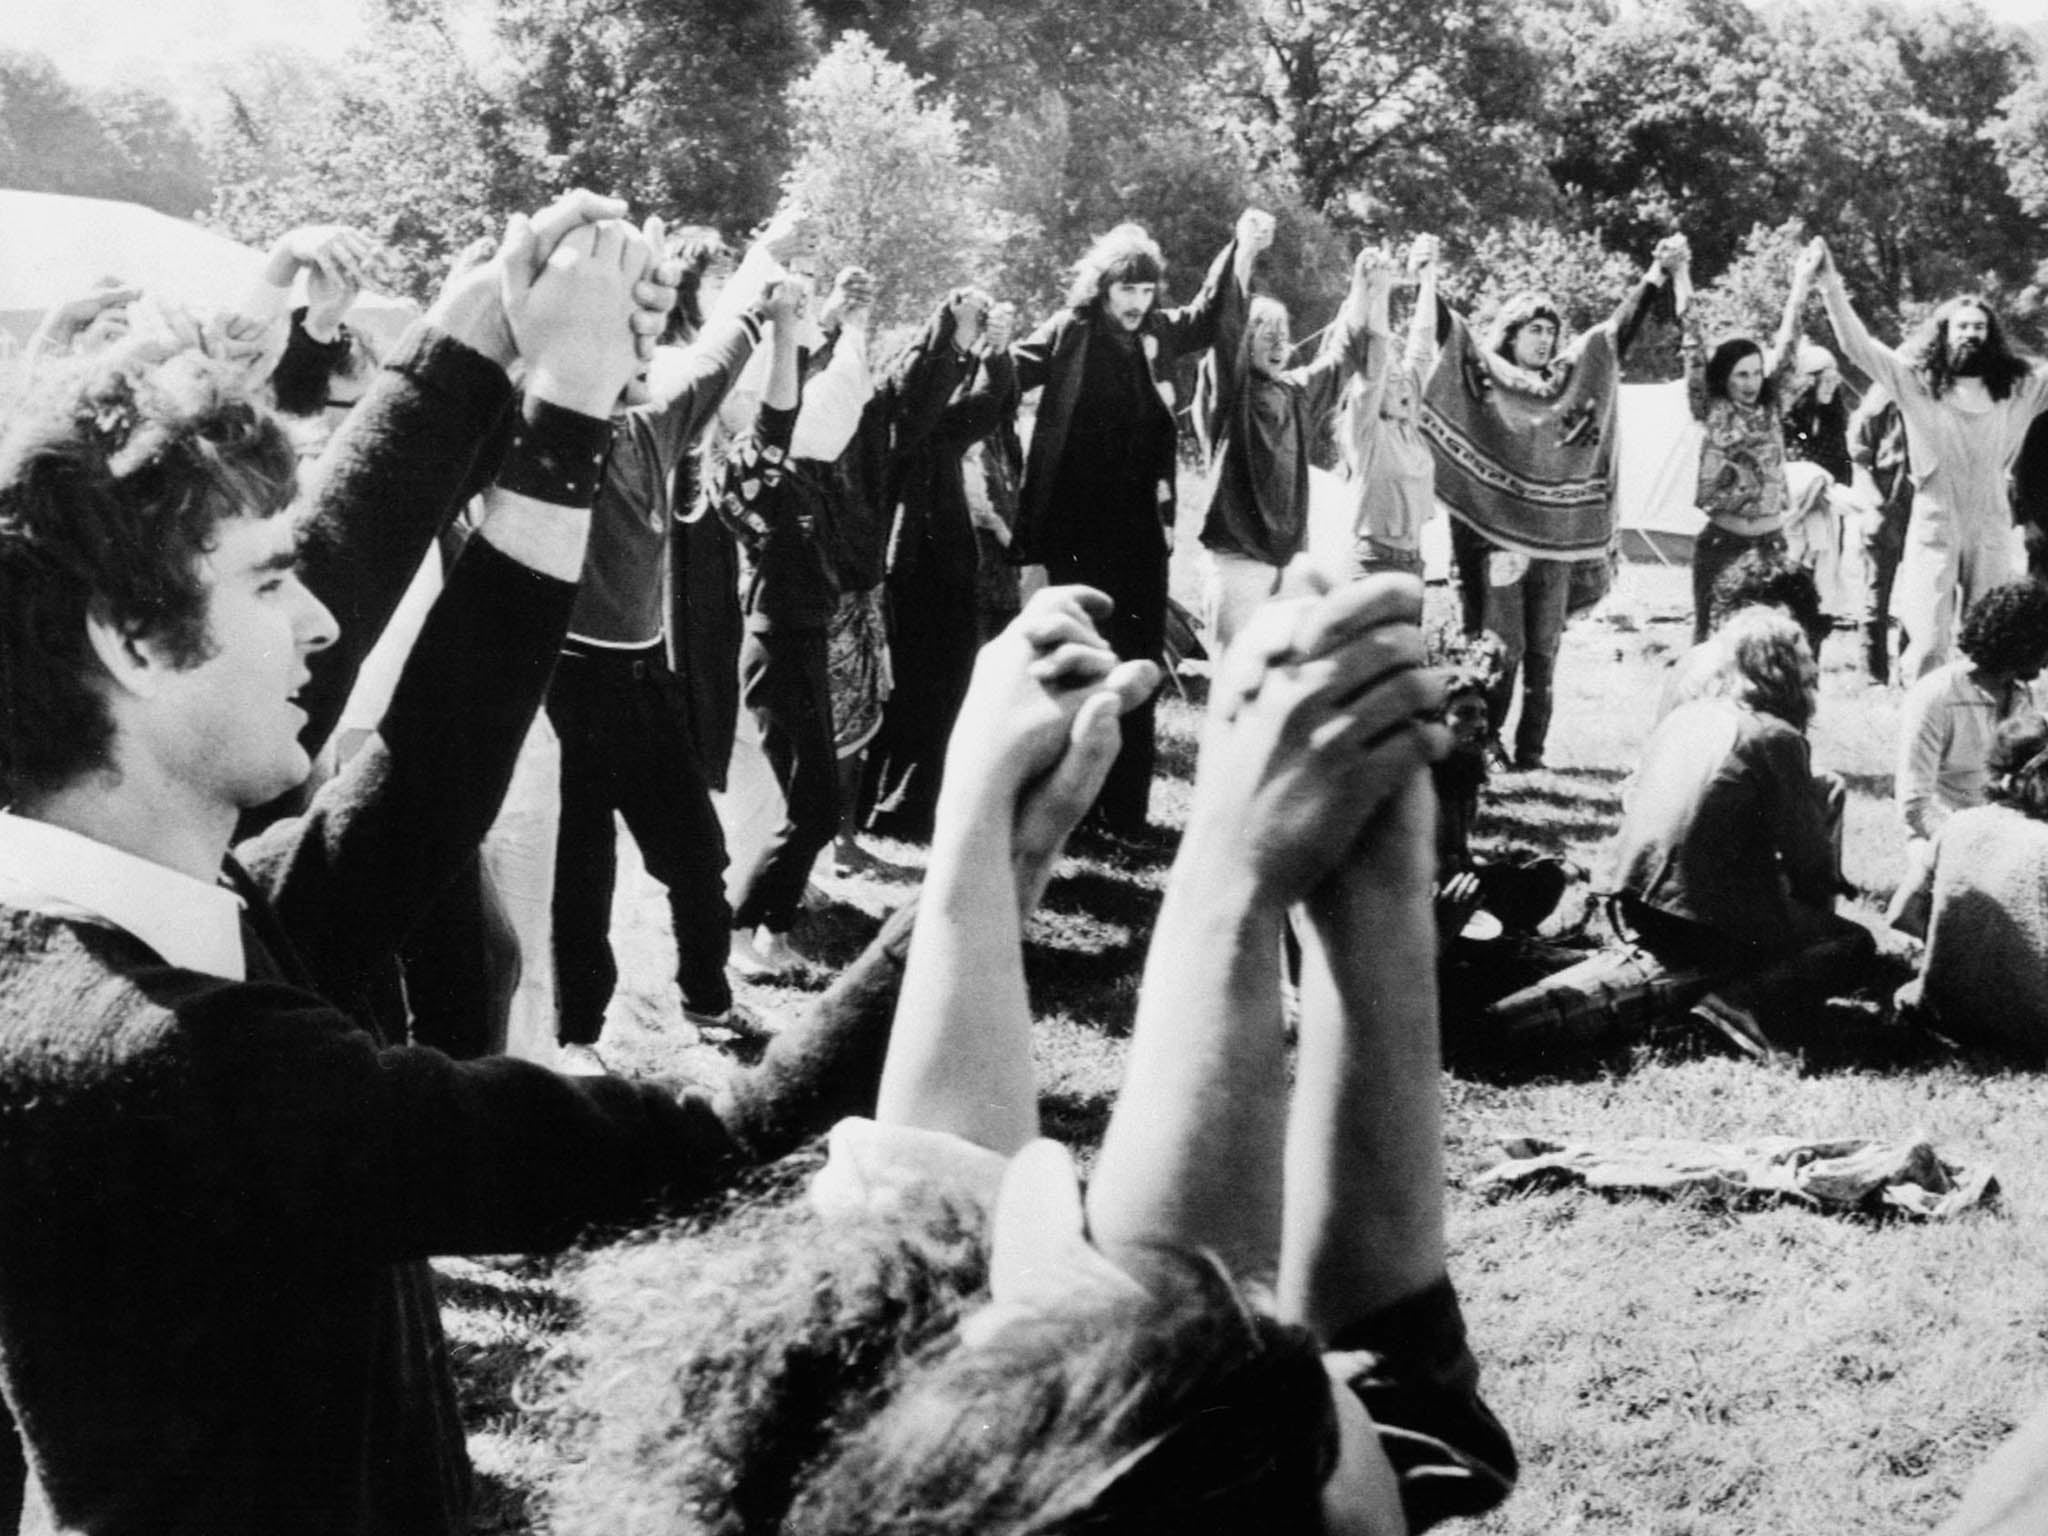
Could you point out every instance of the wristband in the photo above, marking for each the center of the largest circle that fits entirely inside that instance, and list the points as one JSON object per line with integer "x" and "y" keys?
{"x": 556, "y": 455}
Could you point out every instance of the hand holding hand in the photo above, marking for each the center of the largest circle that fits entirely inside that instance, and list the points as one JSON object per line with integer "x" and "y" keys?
{"x": 88, "y": 322}
{"x": 1322, "y": 712}
{"x": 1029, "y": 685}
{"x": 472, "y": 304}
{"x": 1673, "y": 253}
{"x": 1424, "y": 252}
{"x": 786, "y": 299}
{"x": 1373, "y": 270}
{"x": 575, "y": 324}
{"x": 969, "y": 308}
{"x": 343, "y": 254}
{"x": 851, "y": 299}
{"x": 1000, "y": 326}
{"x": 1255, "y": 231}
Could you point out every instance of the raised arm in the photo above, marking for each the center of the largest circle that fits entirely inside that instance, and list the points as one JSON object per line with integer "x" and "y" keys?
{"x": 1782, "y": 344}
{"x": 1628, "y": 315}
{"x": 351, "y": 876}
{"x": 1314, "y": 725}
{"x": 1858, "y": 345}
{"x": 1038, "y": 725}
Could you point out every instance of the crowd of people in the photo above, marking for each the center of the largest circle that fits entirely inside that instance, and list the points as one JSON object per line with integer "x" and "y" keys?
{"x": 325, "y": 679}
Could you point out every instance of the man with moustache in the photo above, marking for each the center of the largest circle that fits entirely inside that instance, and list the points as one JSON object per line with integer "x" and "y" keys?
{"x": 1098, "y": 495}
{"x": 1967, "y": 400}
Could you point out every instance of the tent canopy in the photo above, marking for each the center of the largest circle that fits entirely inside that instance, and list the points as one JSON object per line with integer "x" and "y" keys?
{"x": 55, "y": 248}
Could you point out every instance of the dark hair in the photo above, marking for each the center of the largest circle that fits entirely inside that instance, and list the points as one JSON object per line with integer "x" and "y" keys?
{"x": 1723, "y": 363}
{"x": 696, "y": 246}
{"x": 1518, "y": 312}
{"x": 1125, "y": 255}
{"x": 1763, "y": 578}
{"x": 1183, "y": 1409}
{"x": 2018, "y": 763}
{"x": 2006, "y": 630}
{"x": 1926, "y": 350}
{"x": 114, "y": 475}
{"x": 1763, "y": 663}
{"x": 810, "y": 1378}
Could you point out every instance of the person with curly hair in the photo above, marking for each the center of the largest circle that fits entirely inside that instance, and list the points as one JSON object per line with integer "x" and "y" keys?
{"x": 1967, "y": 400}
{"x": 1950, "y": 717}
{"x": 1244, "y": 1323}
{"x": 1984, "y": 973}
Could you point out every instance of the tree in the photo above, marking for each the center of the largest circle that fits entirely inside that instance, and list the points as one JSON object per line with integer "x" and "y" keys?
{"x": 128, "y": 144}
{"x": 883, "y": 167}
{"x": 1379, "y": 106}
{"x": 678, "y": 105}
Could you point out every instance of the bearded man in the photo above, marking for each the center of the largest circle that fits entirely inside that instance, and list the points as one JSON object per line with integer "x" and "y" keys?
{"x": 1967, "y": 400}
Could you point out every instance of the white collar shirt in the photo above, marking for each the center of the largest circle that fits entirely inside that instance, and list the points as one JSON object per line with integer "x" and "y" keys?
{"x": 59, "y": 873}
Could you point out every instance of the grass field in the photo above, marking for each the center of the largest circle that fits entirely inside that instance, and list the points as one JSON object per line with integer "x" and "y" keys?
{"x": 1664, "y": 1366}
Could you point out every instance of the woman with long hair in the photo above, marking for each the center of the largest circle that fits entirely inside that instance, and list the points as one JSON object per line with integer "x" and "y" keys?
{"x": 1742, "y": 489}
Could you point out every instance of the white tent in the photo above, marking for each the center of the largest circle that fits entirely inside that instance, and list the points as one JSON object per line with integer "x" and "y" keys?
{"x": 1660, "y": 456}
{"x": 54, "y": 248}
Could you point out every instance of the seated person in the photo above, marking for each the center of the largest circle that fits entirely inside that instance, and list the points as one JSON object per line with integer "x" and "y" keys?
{"x": 1984, "y": 974}
{"x": 1724, "y": 858}
{"x": 1950, "y": 716}
{"x": 1245, "y": 1323}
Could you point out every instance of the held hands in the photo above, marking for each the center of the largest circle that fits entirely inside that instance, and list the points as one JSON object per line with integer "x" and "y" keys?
{"x": 1323, "y": 713}
{"x": 969, "y": 308}
{"x": 1037, "y": 730}
{"x": 851, "y": 300}
{"x": 1000, "y": 327}
{"x": 1673, "y": 254}
{"x": 1373, "y": 270}
{"x": 1255, "y": 231}
{"x": 1424, "y": 252}
{"x": 575, "y": 323}
{"x": 787, "y": 299}
{"x": 88, "y": 322}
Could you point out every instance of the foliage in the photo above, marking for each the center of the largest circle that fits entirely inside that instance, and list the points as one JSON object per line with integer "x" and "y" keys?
{"x": 1369, "y": 102}
{"x": 883, "y": 167}
{"x": 129, "y": 144}
{"x": 677, "y": 105}
{"x": 1583, "y": 278}
{"x": 412, "y": 149}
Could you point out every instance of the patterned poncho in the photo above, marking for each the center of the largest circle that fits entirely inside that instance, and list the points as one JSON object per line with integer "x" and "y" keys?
{"x": 1527, "y": 459}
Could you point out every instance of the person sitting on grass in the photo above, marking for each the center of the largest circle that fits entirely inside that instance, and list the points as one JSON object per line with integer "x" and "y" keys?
{"x": 1724, "y": 859}
{"x": 1951, "y": 715}
{"x": 1756, "y": 578}
{"x": 1245, "y": 1323}
{"x": 1984, "y": 973}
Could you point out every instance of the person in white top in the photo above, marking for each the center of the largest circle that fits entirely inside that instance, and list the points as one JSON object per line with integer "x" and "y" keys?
{"x": 1967, "y": 400}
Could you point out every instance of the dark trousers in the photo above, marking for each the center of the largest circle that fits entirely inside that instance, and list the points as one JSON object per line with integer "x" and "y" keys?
{"x": 784, "y": 681}
{"x": 1133, "y": 573}
{"x": 1882, "y": 552}
{"x": 1714, "y": 549}
{"x": 626, "y": 749}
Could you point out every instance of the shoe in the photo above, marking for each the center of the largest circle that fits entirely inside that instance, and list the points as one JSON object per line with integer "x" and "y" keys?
{"x": 1528, "y": 762}
{"x": 1738, "y": 1026}
{"x": 745, "y": 960}
{"x": 777, "y": 955}
{"x": 738, "y": 1021}
{"x": 582, "y": 1061}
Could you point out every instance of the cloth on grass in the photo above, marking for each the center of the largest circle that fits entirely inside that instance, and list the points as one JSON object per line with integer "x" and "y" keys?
{"x": 1849, "y": 1174}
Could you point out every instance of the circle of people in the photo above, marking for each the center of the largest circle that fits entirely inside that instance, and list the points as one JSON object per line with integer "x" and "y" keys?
{"x": 324, "y": 677}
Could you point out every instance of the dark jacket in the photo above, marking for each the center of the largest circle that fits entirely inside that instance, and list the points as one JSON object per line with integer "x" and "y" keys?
{"x": 1052, "y": 357}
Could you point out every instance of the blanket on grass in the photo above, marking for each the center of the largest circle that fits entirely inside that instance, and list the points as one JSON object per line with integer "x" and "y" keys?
{"x": 1842, "y": 1176}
